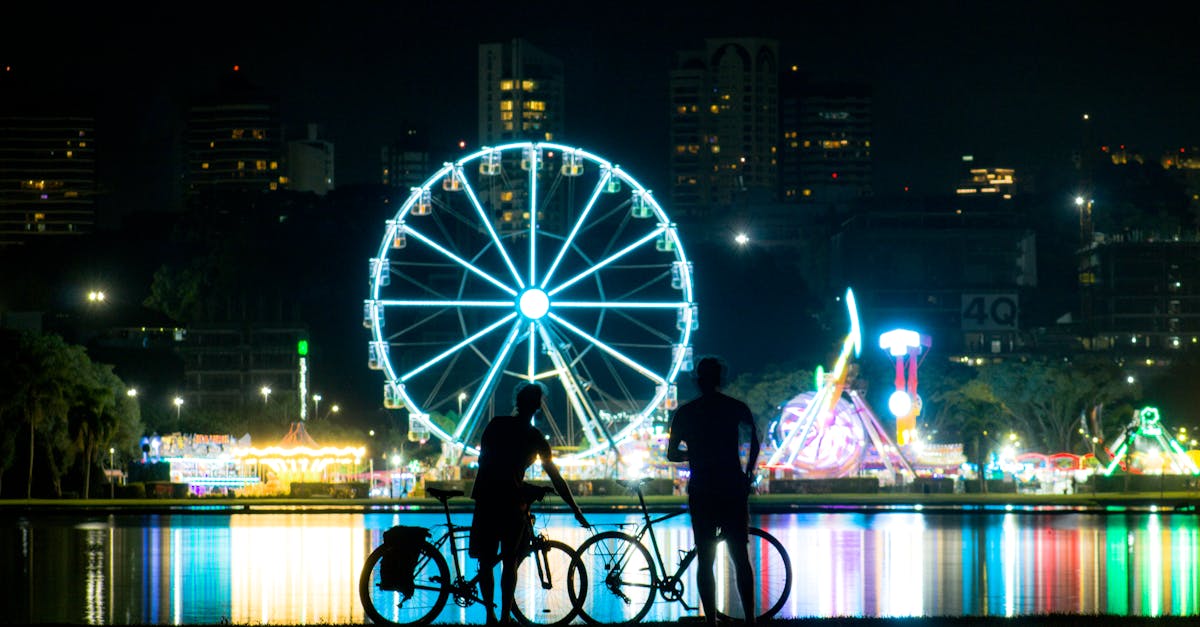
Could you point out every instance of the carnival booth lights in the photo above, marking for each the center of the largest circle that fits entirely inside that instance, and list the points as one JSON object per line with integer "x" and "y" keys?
{"x": 299, "y": 459}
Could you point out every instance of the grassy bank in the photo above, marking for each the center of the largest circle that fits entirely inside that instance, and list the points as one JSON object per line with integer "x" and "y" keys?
{"x": 762, "y": 503}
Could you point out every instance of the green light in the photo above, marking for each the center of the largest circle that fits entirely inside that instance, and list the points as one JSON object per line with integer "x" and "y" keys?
{"x": 302, "y": 347}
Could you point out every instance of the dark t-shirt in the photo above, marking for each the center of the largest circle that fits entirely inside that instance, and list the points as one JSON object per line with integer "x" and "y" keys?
{"x": 709, "y": 427}
{"x": 508, "y": 447}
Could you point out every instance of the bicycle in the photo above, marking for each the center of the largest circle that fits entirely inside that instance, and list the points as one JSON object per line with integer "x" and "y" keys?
{"x": 542, "y": 597}
{"x": 626, "y": 576}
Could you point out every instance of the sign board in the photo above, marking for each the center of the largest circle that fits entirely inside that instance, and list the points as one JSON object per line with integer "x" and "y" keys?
{"x": 989, "y": 312}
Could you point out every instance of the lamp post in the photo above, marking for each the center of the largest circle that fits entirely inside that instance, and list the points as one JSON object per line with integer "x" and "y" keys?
{"x": 462, "y": 396}
{"x": 112, "y": 488}
{"x": 178, "y": 407}
{"x": 317, "y": 406}
{"x": 266, "y": 393}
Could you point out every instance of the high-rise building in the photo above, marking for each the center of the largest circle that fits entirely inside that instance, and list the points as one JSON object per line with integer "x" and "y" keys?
{"x": 520, "y": 94}
{"x": 825, "y": 151}
{"x": 235, "y": 140}
{"x": 310, "y": 163}
{"x": 724, "y": 127}
{"x": 47, "y": 175}
{"x": 405, "y": 163}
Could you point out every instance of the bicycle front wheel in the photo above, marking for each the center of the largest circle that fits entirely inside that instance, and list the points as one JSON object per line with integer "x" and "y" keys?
{"x": 772, "y": 580}
{"x": 620, "y": 588}
{"x": 544, "y": 593}
{"x": 392, "y": 607}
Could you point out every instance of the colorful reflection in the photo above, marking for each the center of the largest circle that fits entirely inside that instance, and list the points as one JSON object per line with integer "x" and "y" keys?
{"x": 295, "y": 567}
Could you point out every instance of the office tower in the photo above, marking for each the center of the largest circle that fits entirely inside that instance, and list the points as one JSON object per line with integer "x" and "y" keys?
{"x": 405, "y": 163}
{"x": 825, "y": 153}
{"x": 47, "y": 174}
{"x": 520, "y": 94}
{"x": 235, "y": 140}
{"x": 310, "y": 163}
{"x": 724, "y": 127}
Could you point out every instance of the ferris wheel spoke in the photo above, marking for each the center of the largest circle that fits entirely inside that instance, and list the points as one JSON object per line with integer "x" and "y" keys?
{"x": 531, "y": 365}
{"x": 623, "y": 358}
{"x": 454, "y": 349}
{"x": 534, "y": 161}
{"x": 487, "y": 223}
{"x": 465, "y": 304}
{"x": 460, "y": 261}
{"x": 610, "y": 259}
{"x": 566, "y": 245}
{"x": 585, "y": 412}
{"x": 467, "y": 422}
{"x": 599, "y": 304}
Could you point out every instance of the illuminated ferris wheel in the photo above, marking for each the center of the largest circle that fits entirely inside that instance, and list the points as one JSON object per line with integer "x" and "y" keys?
{"x": 531, "y": 261}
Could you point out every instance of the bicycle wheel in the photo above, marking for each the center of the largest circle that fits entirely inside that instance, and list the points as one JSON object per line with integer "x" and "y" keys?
{"x": 544, "y": 587}
{"x": 620, "y": 583}
{"x": 772, "y": 578}
{"x": 388, "y": 607}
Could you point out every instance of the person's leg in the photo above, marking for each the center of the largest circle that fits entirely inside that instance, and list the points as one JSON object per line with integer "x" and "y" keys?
{"x": 512, "y": 546}
{"x": 704, "y": 534}
{"x": 737, "y": 544}
{"x": 487, "y": 588}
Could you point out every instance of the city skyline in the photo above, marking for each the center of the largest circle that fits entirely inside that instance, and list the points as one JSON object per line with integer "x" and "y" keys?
{"x": 947, "y": 81}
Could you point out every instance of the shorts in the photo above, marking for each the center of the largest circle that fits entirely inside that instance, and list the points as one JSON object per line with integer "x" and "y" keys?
{"x": 725, "y": 515}
{"x": 497, "y": 529}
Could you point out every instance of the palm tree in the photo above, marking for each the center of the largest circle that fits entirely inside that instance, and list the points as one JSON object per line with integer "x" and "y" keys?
{"x": 37, "y": 378}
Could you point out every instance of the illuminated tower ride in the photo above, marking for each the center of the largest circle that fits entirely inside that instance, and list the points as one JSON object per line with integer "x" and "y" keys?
{"x": 826, "y": 435}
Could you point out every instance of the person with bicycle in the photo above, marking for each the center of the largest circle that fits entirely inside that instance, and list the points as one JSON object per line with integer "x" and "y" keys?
{"x": 509, "y": 446}
{"x": 718, "y": 488}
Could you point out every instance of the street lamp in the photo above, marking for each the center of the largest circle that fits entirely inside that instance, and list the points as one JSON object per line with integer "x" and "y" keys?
{"x": 266, "y": 393}
{"x": 112, "y": 489}
{"x": 96, "y": 296}
{"x": 462, "y": 396}
{"x": 317, "y": 406}
{"x": 741, "y": 239}
{"x": 131, "y": 392}
{"x": 178, "y": 406}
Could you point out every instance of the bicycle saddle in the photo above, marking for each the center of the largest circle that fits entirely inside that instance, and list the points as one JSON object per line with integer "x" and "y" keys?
{"x": 443, "y": 495}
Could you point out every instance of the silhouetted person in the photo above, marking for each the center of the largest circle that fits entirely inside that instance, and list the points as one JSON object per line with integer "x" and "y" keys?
{"x": 510, "y": 444}
{"x": 719, "y": 488}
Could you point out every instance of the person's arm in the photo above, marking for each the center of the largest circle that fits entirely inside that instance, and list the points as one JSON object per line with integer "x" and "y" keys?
{"x": 752, "y": 458}
{"x": 560, "y": 484}
{"x": 674, "y": 453}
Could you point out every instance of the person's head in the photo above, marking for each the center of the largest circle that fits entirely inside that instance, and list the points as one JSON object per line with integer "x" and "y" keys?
{"x": 527, "y": 397}
{"x": 710, "y": 373}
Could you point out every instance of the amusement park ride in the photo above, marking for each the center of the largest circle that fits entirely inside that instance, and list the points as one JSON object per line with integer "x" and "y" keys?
{"x": 1147, "y": 425}
{"x": 824, "y": 435}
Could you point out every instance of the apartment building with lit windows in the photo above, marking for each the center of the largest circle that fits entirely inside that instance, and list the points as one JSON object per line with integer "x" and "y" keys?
{"x": 520, "y": 94}
{"x": 724, "y": 126}
{"x": 825, "y": 151}
{"x": 47, "y": 174}
{"x": 235, "y": 140}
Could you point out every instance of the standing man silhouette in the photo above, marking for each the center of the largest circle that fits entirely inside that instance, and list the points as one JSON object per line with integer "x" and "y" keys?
{"x": 509, "y": 446}
{"x": 718, "y": 489}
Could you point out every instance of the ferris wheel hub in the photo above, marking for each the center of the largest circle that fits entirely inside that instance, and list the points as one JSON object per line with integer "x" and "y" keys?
{"x": 534, "y": 303}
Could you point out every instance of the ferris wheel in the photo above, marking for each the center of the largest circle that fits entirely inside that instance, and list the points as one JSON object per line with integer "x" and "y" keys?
{"x": 531, "y": 262}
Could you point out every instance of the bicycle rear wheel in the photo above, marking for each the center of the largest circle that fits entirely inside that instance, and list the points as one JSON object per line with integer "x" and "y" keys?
{"x": 544, "y": 593}
{"x": 619, "y": 586}
{"x": 389, "y": 607}
{"x": 772, "y": 578}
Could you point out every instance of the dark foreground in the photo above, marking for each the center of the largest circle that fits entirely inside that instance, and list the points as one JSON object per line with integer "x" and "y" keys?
{"x": 956, "y": 621}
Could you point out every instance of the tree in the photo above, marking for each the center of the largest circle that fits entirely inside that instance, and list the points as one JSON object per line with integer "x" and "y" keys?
{"x": 1044, "y": 398}
{"x": 37, "y": 378}
{"x": 766, "y": 391}
{"x": 102, "y": 415}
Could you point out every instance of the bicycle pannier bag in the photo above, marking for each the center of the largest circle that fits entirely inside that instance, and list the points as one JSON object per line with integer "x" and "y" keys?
{"x": 399, "y": 562}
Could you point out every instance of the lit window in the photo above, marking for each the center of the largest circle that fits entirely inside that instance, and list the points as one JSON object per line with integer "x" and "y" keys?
{"x": 283, "y": 180}
{"x": 274, "y": 165}
{"x": 506, "y": 115}
{"x": 508, "y": 216}
{"x": 204, "y": 166}
{"x": 506, "y": 196}
{"x": 70, "y": 154}
{"x": 528, "y": 85}
{"x": 71, "y": 194}
{"x": 237, "y": 133}
{"x": 807, "y": 192}
{"x": 260, "y": 164}
{"x": 259, "y": 133}
{"x": 506, "y": 85}
{"x": 506, "y": 105}
{"x": 212, "y": 144}
{"x": 714, "y": 109}
{"x": 241, "y": 165}
{"x": 82, "y": 144}
{"x": 274, "y": 186}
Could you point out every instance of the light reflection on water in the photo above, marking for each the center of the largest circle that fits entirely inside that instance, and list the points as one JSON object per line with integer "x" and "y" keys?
{"x": 302, "y": 567}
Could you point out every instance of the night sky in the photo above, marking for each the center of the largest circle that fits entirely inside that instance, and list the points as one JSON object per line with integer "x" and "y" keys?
{"x": 1005, "y": 82}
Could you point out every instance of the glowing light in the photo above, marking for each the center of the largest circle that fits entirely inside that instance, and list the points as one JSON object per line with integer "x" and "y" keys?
{"x": 534, "y": 304}
{"x": 899, "y": 403}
